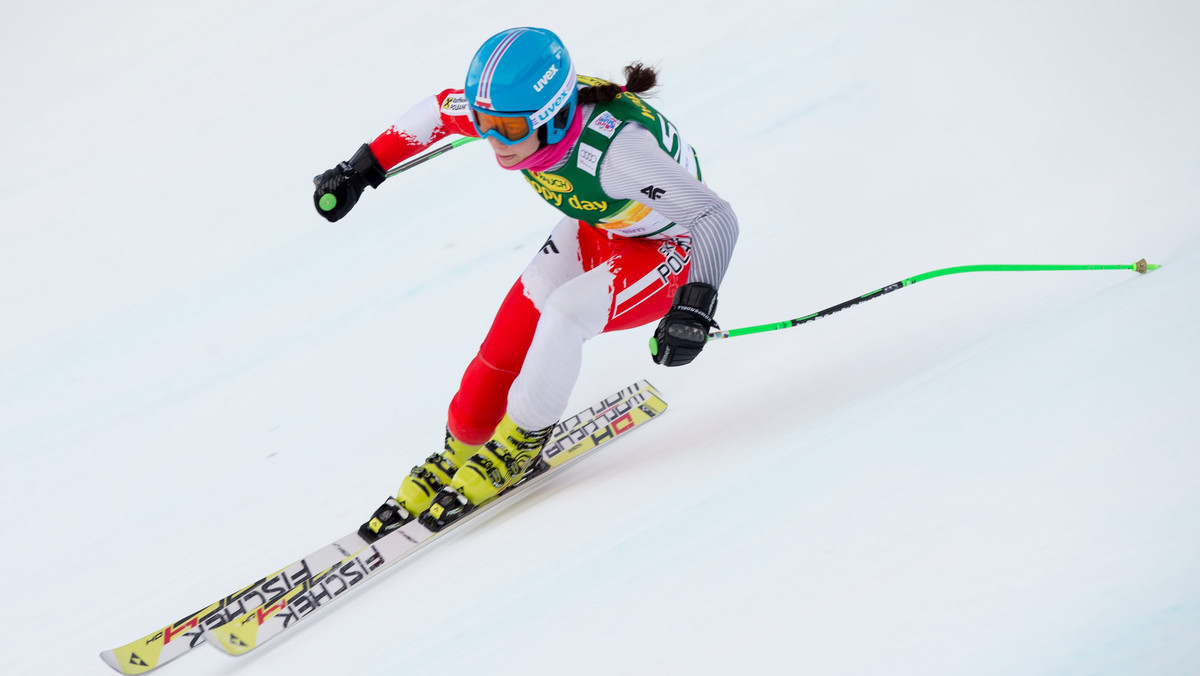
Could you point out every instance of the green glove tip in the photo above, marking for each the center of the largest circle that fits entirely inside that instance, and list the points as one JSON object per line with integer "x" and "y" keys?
{"x": 327, "y": 202}
{"x": 653, "y": 346}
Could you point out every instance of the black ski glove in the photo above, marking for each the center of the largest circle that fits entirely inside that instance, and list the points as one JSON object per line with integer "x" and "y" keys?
{"x": 683, "y": 332}
{"x": 345, "y": 183}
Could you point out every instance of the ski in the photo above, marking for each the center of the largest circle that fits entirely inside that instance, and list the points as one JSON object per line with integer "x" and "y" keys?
{"x": 178, "y": 638}
{"x": 639, "y": 404}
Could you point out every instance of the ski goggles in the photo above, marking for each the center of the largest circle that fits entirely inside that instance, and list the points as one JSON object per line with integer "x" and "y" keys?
{"x": 507, "y": 129}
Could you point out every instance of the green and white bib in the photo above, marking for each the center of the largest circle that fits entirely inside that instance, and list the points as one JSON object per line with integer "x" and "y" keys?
{"x": 575, "y": 188}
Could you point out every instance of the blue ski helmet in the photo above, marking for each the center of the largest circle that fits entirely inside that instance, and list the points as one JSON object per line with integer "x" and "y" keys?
{"x": 521, "y": 80}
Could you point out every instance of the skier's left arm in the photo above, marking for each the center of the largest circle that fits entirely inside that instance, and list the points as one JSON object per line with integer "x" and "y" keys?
{"x": 432, "y": 119}
{"x": 636, "y": 168}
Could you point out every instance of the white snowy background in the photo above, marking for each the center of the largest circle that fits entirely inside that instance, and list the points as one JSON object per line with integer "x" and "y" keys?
{"x": 995, "y": 473}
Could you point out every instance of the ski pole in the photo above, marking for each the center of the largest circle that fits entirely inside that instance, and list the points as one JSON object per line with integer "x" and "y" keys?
{"x": 328, "y": 201}
{"x": 1142, "y": 267}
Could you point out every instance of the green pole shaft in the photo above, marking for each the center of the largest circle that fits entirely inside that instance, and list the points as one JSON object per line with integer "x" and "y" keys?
{"x": 327, "y": 201}
{"x": 1141, "y": 267}
{"x": 441, "y": 150}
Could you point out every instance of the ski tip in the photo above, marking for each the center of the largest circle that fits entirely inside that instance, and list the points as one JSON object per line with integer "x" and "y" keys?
{"x": 645, "y": 385}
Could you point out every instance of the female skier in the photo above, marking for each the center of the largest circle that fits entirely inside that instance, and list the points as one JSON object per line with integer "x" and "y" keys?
{"x": 642, "y": 239}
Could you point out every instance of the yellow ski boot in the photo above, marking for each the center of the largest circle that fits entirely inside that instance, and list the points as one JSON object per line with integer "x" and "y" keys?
{"x": 424, "y": 481}
{"x": 418, "y": 489}
{"x": 500, "y": 463}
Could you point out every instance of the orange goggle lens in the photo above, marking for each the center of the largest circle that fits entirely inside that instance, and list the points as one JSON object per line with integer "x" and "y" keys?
{"x": 511, "y": 129}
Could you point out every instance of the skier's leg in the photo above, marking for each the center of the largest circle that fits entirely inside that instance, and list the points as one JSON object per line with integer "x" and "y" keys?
{"x": 479, "y": 405}
{"x": 633, "y": 286}
{"x": 482, "y": 396}
{"x": 628, "y": 283}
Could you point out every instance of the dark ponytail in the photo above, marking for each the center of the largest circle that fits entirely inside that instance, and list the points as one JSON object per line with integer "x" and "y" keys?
{"x": 639, "y": 79}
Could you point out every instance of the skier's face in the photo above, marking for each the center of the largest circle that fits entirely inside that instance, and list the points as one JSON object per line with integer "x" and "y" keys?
{"x": 509, "y": 156}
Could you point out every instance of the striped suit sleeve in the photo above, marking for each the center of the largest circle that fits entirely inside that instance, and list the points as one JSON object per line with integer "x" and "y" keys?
{"x": 635, "y": 162}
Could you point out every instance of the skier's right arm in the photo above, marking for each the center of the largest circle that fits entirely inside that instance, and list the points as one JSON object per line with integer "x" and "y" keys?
{"x": 424, "y": 124}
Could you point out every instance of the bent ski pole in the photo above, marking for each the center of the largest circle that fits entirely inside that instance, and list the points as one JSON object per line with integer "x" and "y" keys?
{"x": 1141, "y": 267}
{"x": 328, "y": 201}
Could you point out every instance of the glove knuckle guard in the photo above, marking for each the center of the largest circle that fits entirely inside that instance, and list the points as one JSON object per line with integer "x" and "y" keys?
{"x": 683, "y": 332}
{"x": 346, "y": 182}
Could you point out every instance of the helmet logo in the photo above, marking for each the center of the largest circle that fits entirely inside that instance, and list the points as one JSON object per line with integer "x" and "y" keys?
{"x": 550, "y": 110}
{"x": 545, "y": 79}
{"x": 556, "y": 103}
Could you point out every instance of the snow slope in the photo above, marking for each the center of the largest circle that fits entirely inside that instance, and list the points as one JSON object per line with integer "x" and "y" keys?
{"x": 992, "y": 473}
